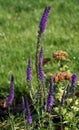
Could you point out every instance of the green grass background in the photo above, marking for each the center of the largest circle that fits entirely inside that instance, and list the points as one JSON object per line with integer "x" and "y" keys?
{"x": 19, "y": 21}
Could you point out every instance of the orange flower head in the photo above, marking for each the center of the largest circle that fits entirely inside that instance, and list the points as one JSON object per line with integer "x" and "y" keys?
{"x": 61, "y": 76}
{"x": 60, "y": 55}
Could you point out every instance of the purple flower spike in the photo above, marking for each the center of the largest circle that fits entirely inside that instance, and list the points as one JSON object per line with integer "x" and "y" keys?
{"x": 41, "y": 74}
{"x": 74, "y": 80}
{"x": 10, "y": 97}
{"x": 50, "y": 99}
{"x": 44, "y": 19}
{"x": 28, "y": 115}
{"x": 29, "y": 119}
{"x": 29, "y": 71}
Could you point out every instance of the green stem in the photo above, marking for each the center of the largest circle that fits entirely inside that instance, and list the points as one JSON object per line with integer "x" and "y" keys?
{"x": 61, "y": 119}
{"x": 37, "y": 53}
{"x": 49, "y": 122}
{"x": 74, "y": 121}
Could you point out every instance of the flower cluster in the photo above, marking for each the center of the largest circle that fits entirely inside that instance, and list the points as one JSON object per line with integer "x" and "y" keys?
{"x": 62, "y": 76}
{"x": 60, "y": 55}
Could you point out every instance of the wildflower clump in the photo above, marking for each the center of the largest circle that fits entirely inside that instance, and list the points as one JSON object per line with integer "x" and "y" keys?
{"x": 43, "y": 105}
{"x": 42, "y": 27}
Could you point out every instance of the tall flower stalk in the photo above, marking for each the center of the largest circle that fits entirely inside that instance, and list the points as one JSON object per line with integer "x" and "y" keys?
{"x": 41, "y": 86}
{"x": 42, "y": 27}
{"x": 10, "y": 97}
{"x": 39, "y": 70}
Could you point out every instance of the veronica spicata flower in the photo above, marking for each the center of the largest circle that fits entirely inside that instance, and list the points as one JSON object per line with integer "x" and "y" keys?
{"x": 44, "y": 19}
{"x": 50, "y": 98}
{"x": 28, "y": 114}
{"x": 29, "y": 71}
{"x": 74, "y": 79}
{"x": 10, "y": 97}
{"x": 50, "y": 101}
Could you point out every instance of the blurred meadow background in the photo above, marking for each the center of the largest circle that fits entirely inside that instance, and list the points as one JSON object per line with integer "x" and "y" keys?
{"x": 19, "y": 22}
